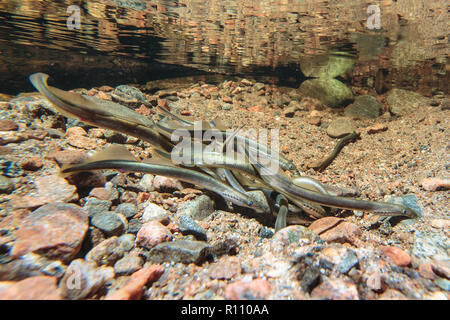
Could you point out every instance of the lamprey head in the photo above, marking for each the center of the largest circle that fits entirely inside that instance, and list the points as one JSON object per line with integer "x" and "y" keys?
{"x": 394, "y": 209}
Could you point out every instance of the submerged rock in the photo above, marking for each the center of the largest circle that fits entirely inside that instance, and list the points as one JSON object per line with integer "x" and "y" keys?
{"x": 46, "y": 231}
{"x": 330, "y": 92}
{"x": 341, "y": 127}
{"x": 110, "y": 223}
{"x": 187, "y": 226}
{"x": 33, "y": 288}
{"x": 364, "y": 107}
{"x": 402, "y": 102}
{"x": 83, "y": 279}
{"x": 6, "y": 186}
{"x": 109, "y": 251}
{"x": 184, "y": 251}
{"x": 198, "y": 209}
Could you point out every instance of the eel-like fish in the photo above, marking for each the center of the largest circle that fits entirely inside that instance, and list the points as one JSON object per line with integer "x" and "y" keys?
{"x": 117, "y": 157}
{"x": 106, "y": 114}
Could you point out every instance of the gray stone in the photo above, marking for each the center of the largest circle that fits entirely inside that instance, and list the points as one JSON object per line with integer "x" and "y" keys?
{"x": 129, "y": 210}
{"x": 108, "y": 251}
{"x": 147, "y": 182}
{"x": 341, "y": 127}
{"x": 115, "y": 137}
{"x": 183, "y": 251}
{"x": 402, "y": 102}
{"x": 83, "y": 279}
{"x": 110, "y": 223}
{"x": 134, "y": 225}
{"x": 94, "y": 206}
{"x": 127, "y": 241}
{"x": 293, "y": 234}
{"x": 187, "y": 225}
{"x": 429, "y": 246}
{"x": 444, "y": 284}
{"x": 127, "y": 93}
{"x": 128, "y": 264}
{"x": 330, "y": 92}
{"x": 6, "y": 186}
{"x": 349, "y": 261}
{"x": 154, "y": 212}
{"x": 199, "y": 208}
{"x": 364, "y": 107}
{"x": 258, "y": 86}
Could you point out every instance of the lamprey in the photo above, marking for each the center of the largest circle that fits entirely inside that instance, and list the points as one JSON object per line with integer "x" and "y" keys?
{"x": 217, "y": 130}
{"x": 322, "y": 164}
{"x": 283, "y": 184}
{"x": 117, "y": 158}
{"x": 101, "y": 113}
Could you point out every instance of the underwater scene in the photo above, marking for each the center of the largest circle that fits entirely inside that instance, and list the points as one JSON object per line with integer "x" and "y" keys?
{"x": 224, "y": 150}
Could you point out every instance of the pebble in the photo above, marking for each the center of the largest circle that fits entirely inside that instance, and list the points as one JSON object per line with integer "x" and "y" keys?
{"x": 445, "y": 104}
{"x": 342, "y": 257}
{"x": 52, "y": 219}
{"x": 259, "y": 86}
{"x": 151, "y": 234}
{"x": 331, "y": 92}
{"x": 310, "y": 278}
{"x": 83, "y": 279}
{"x": 115, "y": 137}
{"x": 430, "y": 245}
{"x": 94, "y": 206}
{"x": 154, "y": 212}
{"x": 441, "y": 268}
{"x": 68, "y": 157}
{"x": 187, "y": 226}
{"x": 134, "y": 288}
{"x": 108, "y": 251}
{"x": 75, "y": 131}
{"x": 298, "y": 235}
{"x": 444, "y": 284}
{"x": 226, "y": 268}
{"x": 265, "y": 232}
{"x": 162, "y": 184}
{"x": 365, "y": 107}
{"x": 184, "y": 251}
{"x": 340, "y": 232}
{"x": 335, "y": 289}
{"x": 146, "y": 182}
{"x": 340, "y": 127}
{"x": 398, "y": 256}
{"x": 129, "y": 264}
{"x": 6, "y": 186}
{"x": 32, "y": 164}
{"x": 396, "y": 100}
{"x": 128, "y": 210}
{"x": 440, "y": 223}
{"x": 425, "y": 270}
{"x": 33, "y": 288}
{"x": 52, "y": 188}
{"x": 102, "y": 193}
{"x": 379, "y": 127}
{"x": 110, "y": 223}
{"x": 8, "y": 125}
{"x": 434, "y": 184}
{"x": 199, "y": 208}
{"x": 256, "y": 289}
{"x": 375, "y": 282}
